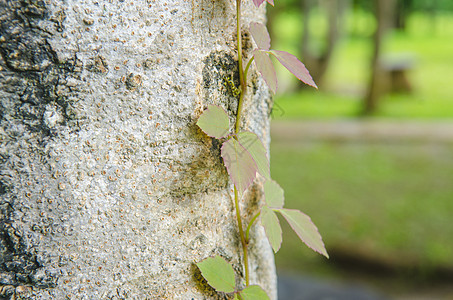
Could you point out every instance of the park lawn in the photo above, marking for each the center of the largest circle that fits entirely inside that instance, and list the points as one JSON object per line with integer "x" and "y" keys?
{"x": 387, "y": 201}
{"x": 429, "y": 44}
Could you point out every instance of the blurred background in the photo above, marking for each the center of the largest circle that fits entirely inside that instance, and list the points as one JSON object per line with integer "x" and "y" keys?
{"x": 369, "y": 156}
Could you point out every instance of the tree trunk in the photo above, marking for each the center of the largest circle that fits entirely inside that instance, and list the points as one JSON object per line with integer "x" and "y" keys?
{"x": 403, "y": 9}
{"x": 384, "y": 10}
{"x": 318, "y": 63}
{"x": 108, "y": 188}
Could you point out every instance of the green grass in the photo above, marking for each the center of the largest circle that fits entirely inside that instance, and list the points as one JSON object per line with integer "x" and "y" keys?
{"x": 340, "y": 95}
{"x": 393, "y": 202}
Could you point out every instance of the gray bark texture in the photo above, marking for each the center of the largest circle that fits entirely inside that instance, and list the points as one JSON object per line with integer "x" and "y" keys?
{"x": 108, "y": 188}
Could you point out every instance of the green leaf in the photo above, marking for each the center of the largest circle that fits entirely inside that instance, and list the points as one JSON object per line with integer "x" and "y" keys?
{"x": 295, "y": 66}
{"x": 239, "y": 163}
{"x": 214, "y": 122}
{"x": 305, "y": 229}
{"x": 254, "y": 292}
{"x": 260, "y": 35}
{"x": 218, "y": 273}
{"x": 273, "y": 194}
{"x": 272, "y": 227}
{"x": 252, "y": 143}
{"x": 266, "y": 68}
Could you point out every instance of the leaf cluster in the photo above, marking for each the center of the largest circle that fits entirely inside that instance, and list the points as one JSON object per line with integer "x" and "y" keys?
{"x": 263, "y": 62}
{"x": 245, "y": 156}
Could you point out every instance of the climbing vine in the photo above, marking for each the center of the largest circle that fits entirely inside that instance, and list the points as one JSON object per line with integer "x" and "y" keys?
{"x": 245, "y": 156}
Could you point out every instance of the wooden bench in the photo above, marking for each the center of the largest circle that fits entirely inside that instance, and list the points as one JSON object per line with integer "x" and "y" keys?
{"x": 395, "y": 69}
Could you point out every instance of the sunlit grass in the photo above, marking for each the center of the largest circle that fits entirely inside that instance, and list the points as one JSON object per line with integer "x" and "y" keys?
{"x": 391, "y": 201}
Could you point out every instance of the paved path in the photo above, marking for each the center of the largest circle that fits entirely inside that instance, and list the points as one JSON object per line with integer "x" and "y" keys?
{"x": 305, "y": 288}
{"x": 363, "y": 130}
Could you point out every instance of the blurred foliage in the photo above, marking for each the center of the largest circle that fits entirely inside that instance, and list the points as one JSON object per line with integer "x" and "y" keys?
{"x": 415, "y": 5}
{"x": 429, "y": 42}
{"x": 391, "y": 202}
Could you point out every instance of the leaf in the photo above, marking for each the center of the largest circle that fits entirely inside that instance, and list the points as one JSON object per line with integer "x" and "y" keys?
{"x": 305, "y": 229}
{"x": 214, "y": 122}
{"x": 272, "y": 227}
{"x": 273, "y": 194}
{"x": 295, "y": 66}
{"x": 239, "y": 163}
{"x": 254, "y": 292}
{"x": 218, "y": 273}
{"x": 266, "y": 68}
{"x": 260, "y": 35}
{"x": 259, "y": 2}
{"x": 253, "y": 145}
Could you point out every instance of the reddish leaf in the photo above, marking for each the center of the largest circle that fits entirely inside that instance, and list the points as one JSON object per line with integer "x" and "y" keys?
{"x": 305, "y": 229}
{"x": 214, "y": 122}
{"x": 266, "y": 68}
{"x": 259, "y": 2}
{"x": 239, "y": 163}
{"x": 260, "y": 35}
{"x": 252, "y": 143}
{"x": 295, "y": 66}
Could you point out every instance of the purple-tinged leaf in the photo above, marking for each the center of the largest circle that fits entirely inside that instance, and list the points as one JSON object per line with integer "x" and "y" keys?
{"x": 239, "y": 163}
{"x": 254, "y": 292}
{"x": 260, "y": 35}
{"x": 218, "y": 273}
{"x": 273, "y": 194}
{"x": 259, "y": 2}
{"x": 272, "y": 227}
{"x": 266, "y": 68}
{"x": 295, "y": 66}
{"x": 214, "y": 122}
{"x": 305, "y": 229}
{"x": 252, "y": 143}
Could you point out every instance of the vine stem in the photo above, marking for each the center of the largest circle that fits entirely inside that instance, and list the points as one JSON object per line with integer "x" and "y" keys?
{"x": 248, "y": 66}
{"x": 247, "y": 232}
{"x": 243, "y": 83}
{"x": 242, "y": 78}
{"x": 241, "y": 233}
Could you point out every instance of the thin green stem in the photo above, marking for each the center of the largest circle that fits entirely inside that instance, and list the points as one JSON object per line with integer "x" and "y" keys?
{"x": 243, "y": 83}
{"x": 238, "y": 216}
{"x": 248, "y": 66}
{"x": 239, "y": 40}
{"x": 242, "y": 78}
{"x": 242, "y": 236}
{"x": 238, "y": 116}
{"x": 247, "y": 232}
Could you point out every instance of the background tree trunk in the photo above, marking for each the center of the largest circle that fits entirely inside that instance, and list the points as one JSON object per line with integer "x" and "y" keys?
{"x": 318, "y": 63}
{"x": 108, "y": 188}
{"x": 384, "y": 10}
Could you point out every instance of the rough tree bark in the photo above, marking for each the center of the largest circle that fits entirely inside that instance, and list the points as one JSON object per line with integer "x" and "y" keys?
{"x": 108, "y": 188}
